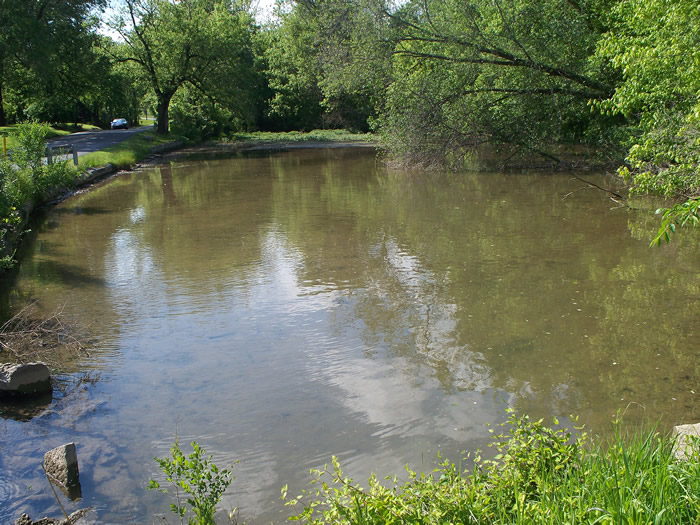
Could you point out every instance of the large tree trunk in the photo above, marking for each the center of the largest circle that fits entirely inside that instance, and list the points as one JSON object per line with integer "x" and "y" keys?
{"x": 162, "y": 108}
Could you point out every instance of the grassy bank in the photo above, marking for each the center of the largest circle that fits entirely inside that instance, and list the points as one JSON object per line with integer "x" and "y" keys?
{"x": 318, "y": 135}
{"x": 126, "y": 153}
{"x": 539, "y": 475}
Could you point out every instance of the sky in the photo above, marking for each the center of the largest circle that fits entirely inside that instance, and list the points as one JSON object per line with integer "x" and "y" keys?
{"x": 263, "y": 13}
{"x": 263, "y": 9}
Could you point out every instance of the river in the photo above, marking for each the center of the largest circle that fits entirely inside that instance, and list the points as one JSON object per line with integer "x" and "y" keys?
{"x": 283, "y": 307}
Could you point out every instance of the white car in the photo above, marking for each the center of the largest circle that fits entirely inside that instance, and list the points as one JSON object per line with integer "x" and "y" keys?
{"x": 119, "y": 123}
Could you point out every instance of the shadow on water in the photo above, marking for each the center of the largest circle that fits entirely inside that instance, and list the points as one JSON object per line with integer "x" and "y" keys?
{"x": 67, "y": 274}
{"x": 79, "y": 210}
{"x": 25, "y": 408}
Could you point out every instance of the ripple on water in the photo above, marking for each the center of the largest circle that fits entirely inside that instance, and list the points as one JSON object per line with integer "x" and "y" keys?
{"x": 9, "y": 491}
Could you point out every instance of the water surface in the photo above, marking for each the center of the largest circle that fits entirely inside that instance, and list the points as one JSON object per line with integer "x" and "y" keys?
{"x": 281, "y": 308}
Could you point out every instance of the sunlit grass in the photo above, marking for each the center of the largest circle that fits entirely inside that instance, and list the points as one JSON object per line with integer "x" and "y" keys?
{"x": 318, "y": 135}
{"x": 126, "y": 153}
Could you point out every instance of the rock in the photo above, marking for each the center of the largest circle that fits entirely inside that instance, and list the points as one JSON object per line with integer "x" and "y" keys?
{"x": 26, "y": 379}
{"x": 61, "y": 465}
{"x": 687, "y": 438}
{"x": 73, "y": 519}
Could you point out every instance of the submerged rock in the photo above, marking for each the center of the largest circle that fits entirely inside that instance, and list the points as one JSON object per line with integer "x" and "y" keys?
{"x": 26, "y": 379}
{"x": 687, "y": 441}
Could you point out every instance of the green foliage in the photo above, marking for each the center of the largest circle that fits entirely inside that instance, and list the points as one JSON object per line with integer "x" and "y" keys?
{"x": 655, "y": 44}
{"x": 683, "y": 214}
{"x": 25, "y": 179}
{"x": 328, "y": 64}
{"x": 539, "y": 475}
{"x": 200, "y": 479}
{"x": 47, "y": 63}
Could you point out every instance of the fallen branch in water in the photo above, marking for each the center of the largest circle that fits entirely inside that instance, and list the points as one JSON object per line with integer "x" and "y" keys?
{"x": 27, "y": 337}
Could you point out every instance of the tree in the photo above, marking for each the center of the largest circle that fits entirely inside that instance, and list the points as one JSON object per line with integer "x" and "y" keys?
{"x": 328, "y": 63}
{"x": 655, "y": 44}
{"x": 204, "y": 44}
{"x": 513, "y": 74}
{"x": 45, "y": 55}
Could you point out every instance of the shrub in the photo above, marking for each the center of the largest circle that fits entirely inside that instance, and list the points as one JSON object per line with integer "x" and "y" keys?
{"x": 198, "y": 477}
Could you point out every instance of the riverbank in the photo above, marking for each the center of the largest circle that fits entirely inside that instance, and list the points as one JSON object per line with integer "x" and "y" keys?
{"x": 540, "y": 475}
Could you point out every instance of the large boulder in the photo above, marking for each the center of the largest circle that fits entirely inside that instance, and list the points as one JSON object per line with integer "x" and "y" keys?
{"x": 687, "y": 441}
{"x": 26, "y": 379}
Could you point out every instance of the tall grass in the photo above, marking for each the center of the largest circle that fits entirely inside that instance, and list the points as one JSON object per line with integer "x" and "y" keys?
{"x": 540, "y": 475}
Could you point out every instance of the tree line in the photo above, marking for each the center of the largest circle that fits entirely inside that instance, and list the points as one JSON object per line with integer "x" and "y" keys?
{"x": 442, "y": 82}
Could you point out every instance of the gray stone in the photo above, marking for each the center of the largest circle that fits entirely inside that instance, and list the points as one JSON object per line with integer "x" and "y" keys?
{"x": 61, "y": 465}
{"x": 687, "y": 441}
{"x": 26, "y": 379}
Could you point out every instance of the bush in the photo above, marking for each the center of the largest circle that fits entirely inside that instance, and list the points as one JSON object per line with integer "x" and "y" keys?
{"x": 199, "y": 478}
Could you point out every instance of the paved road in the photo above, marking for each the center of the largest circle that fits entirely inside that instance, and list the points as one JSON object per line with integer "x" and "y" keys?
{"x": 90, "y": 141}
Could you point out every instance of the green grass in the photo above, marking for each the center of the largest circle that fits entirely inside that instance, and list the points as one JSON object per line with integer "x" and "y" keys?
{"x": 126, "y": 153}
{"x": 539, "y": 475}
{"x": 318, "y": 135}
{"x": 146, "y": 121}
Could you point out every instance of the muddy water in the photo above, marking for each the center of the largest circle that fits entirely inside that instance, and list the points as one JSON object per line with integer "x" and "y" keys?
{"x": 286, "y": 307}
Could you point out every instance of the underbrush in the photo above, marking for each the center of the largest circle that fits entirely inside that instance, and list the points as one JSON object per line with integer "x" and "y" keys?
{"x": 25, "y": 180}
{"x": 30, "y": 336}
{"x": 539, "y": 475}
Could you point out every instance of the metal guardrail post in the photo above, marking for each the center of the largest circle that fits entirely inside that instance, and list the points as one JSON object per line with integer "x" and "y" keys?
{"x": 75, "y": 154}
{"x": 48, "y": 155}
